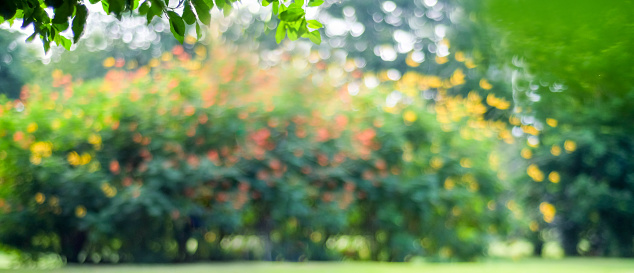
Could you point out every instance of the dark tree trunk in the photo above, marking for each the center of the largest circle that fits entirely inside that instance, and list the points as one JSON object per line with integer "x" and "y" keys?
{"x": 570, "y": 239}
{"x": 72, "y": 243}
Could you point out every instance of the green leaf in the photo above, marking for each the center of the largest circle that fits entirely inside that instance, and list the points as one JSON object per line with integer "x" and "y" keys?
{"x": 226, "y": 10}
{"x": 188, "y": 14}
{"x": 117, "y": 7}
{"x": 199, "y": 33}
{"x": 106, "y": 6}
{"x": 292, "y": 14}
{"x": 314, "y": 24}
{"x": 177, "y": 26}
{"x": 280, "y": 33}
{"x": 135, "y": 4}
{"x": 265, "y": 3}
{"x": 45, "y": 43}
{"x": 51, "y": 3}
{"x": 292, "y": 33}
{"x": 202, "y": 9}
{"x": 31, "y": 38}
{"x": 276, "y": 8}
{"x": 8, "y": 9}
{"x": 315, "y": 3}
{"x": 27, "y": 21}
{"x": 66, "y": 43}
{"x": 61, "y": 27}
{"x": 144, "y": 8}
{"x": 63, "y": 12}
{"x": 156, "y": 9}
{"x": 315, "y": 36}
{"x": 79, "y": 22}
{"x": 220, "y": 4}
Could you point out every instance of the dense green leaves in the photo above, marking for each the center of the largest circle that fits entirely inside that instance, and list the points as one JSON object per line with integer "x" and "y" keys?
{"x": 32, "y": 13}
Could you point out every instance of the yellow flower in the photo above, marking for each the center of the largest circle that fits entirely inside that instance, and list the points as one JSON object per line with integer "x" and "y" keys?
{"x": 42, "y": 149}
{"x": 409, "y": 116}
{"x": 534, "y": 226}
{"x": 435, "y": 162}
{"x": 460, "y": 56}
{"x": 108, "y": 62}
{"x": 35, "y": 159}
{"x": 554, "y": 177}
{"x": 201, "y": 51}
{"x": 535, "y": 173}
{"x": 154, "y": 63}
{"x": 526, "y": 153}
{"x": 548, "y": 211}
{"x": 80, "y": 211}
{"x": 551, "y": 122}
{"x": 95, "y": 140}
{"x": 166, "y": 57}
{"x": 32, "y": 127}
{"x": 555, "y": 150}
{"x": 469, "y": 63}
{"x": 85, "y": 158}
{"x": 40, "y": 198}
{"x": 570, "y": 146}
{"x": 530, "y": 130}
{"x": 108, "y": 190}
{"x": 465, "y": 163}
{"x": 514, "y": 120}
{"x": 74, "y": 158}
{"x": 484, "y": 84}
{"x": 457, "y": 78}
{"x": 441, "y": 60}
{"x": 449, "y": 184}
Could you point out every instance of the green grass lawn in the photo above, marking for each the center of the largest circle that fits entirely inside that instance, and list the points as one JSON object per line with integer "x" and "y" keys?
{"x": 572, "y": 265}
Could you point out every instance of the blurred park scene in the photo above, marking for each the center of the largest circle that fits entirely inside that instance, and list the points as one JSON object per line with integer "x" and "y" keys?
{"x": 494, "y": 132}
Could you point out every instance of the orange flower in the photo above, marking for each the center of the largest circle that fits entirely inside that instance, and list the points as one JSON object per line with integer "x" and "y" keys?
{"x": 114, "y": 167}
{"x": 18, "y": 136}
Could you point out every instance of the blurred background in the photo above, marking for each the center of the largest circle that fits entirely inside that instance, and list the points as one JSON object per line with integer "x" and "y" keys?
{"x": 435, "y": 130}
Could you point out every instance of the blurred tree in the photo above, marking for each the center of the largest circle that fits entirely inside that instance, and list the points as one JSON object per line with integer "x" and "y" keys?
{"x": 73, "y": 14}
{"x": 573, "y": 78}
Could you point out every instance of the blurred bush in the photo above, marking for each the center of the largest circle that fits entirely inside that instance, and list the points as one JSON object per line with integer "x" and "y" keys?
{"x": 185, "y": 160}
{"x": 12, "y": 71}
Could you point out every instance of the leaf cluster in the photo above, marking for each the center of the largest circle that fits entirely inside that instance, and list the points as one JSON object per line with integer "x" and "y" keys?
{"x": 72, "y": 14}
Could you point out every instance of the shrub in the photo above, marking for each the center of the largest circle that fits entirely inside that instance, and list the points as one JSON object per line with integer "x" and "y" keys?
{"x": 221, "y": 160}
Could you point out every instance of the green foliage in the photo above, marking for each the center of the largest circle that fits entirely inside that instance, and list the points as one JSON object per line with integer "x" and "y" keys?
{"x": 33, "y": 13}
{"x": 138, "y": 165}
{"x": 572, "y": 80}
{"x": 12, "y": 70}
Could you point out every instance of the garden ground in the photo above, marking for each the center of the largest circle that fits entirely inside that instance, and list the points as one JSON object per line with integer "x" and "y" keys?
{"x": 576, "y": 265}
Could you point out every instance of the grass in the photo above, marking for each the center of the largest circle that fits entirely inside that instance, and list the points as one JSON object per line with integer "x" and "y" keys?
{"x": 571, "y": 265}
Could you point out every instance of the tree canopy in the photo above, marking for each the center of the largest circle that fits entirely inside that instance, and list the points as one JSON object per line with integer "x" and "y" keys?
{"x": 65, "y": 14}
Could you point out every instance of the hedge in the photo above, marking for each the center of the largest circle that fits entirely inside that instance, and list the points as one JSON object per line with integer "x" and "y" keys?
{"x": 216, "y": 159}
